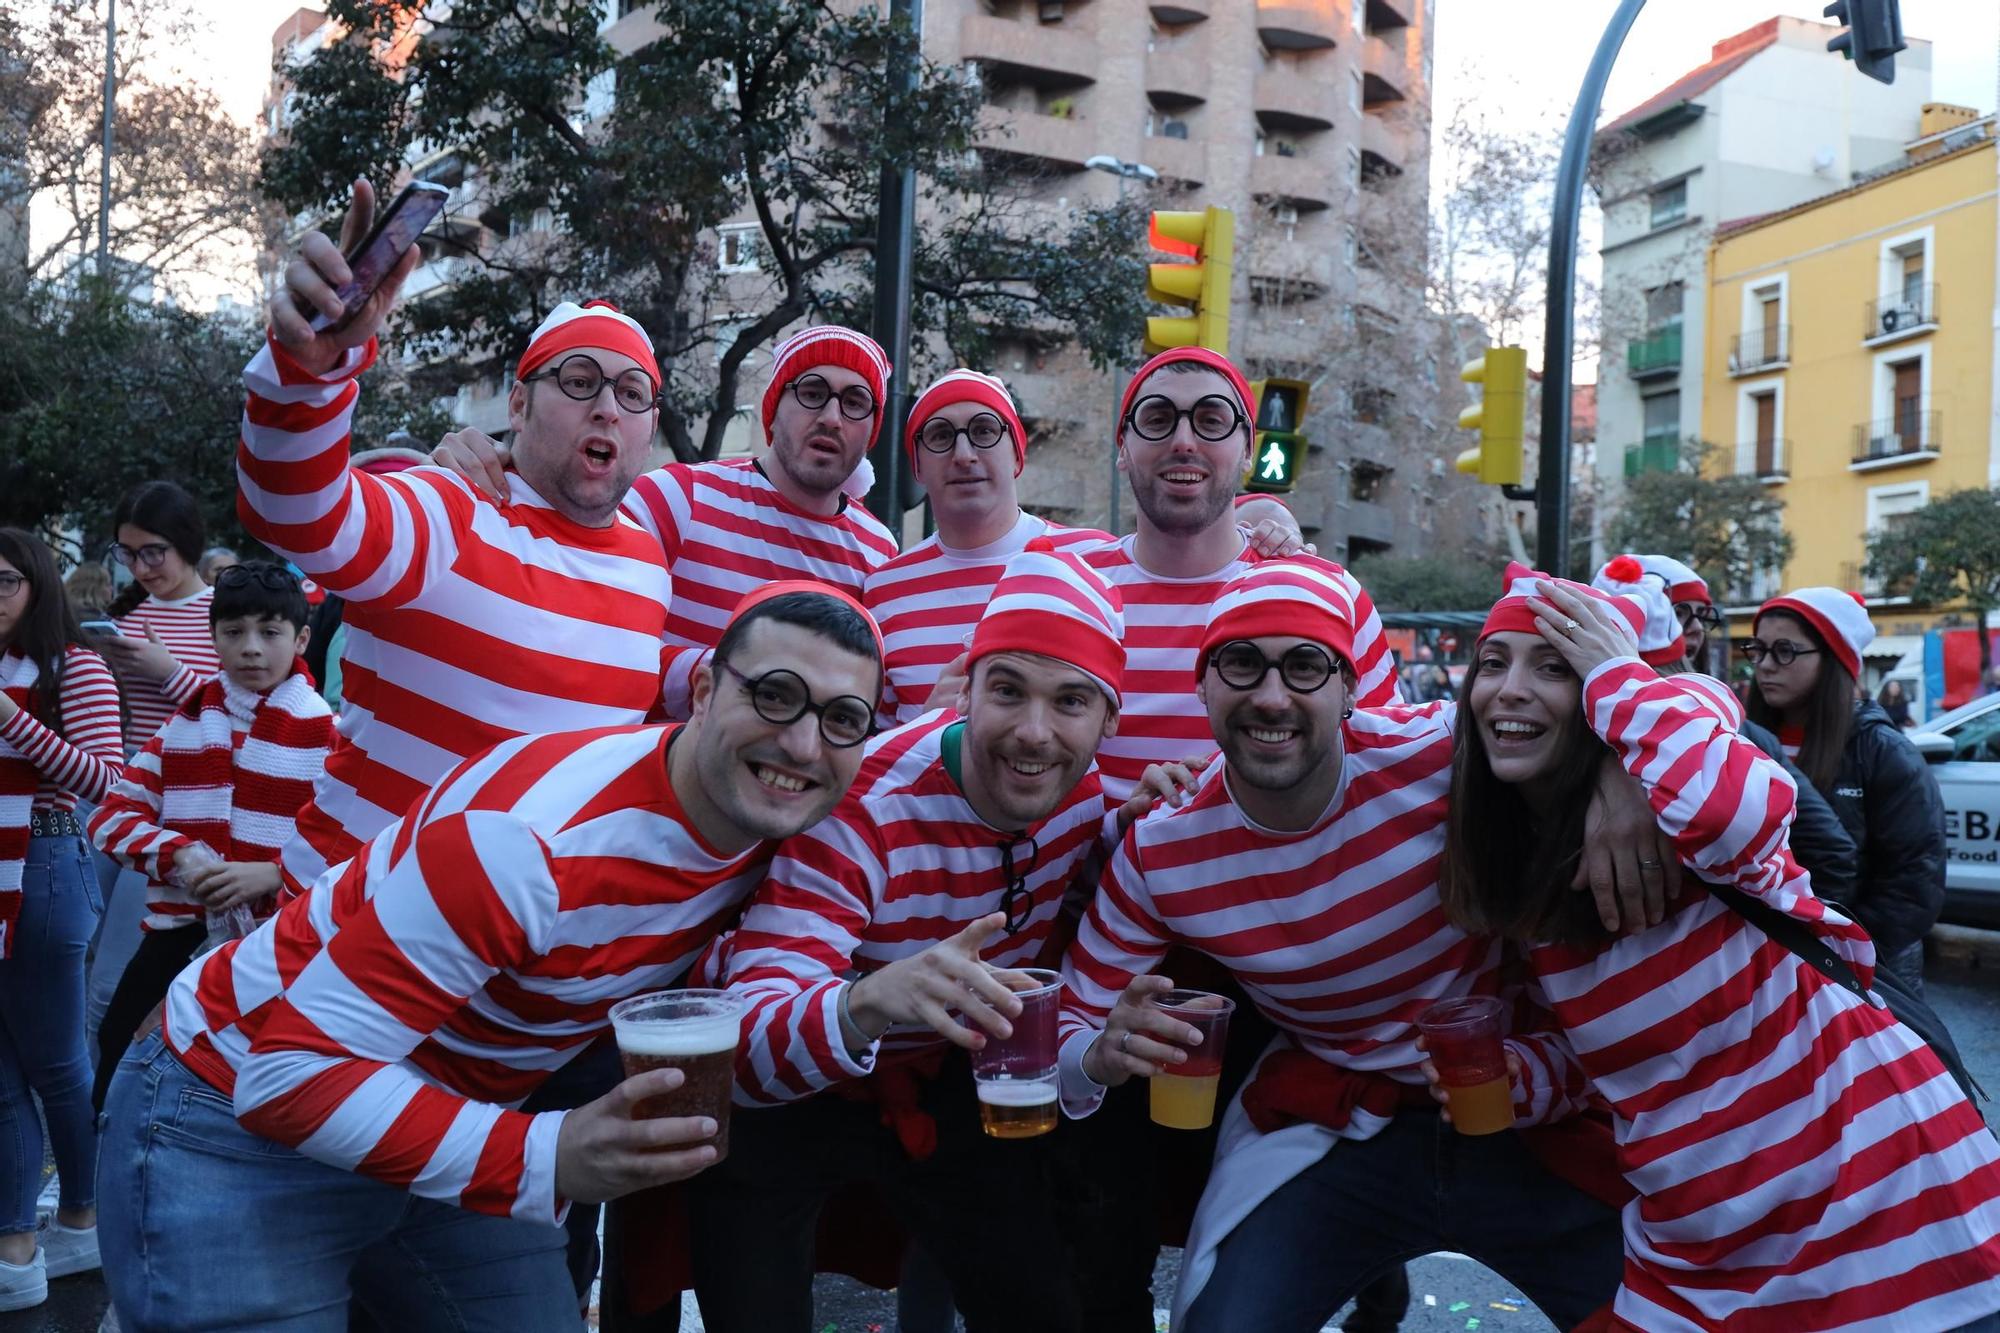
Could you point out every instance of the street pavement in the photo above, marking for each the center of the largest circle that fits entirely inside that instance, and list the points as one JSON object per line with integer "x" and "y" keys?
{"x": 1451, "y": 1294}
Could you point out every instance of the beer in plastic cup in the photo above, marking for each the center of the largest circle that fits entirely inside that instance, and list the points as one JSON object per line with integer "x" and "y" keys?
{"x": 1183, "y": 1097}
{"x": 694, "y": 1031}
{"x": 1462, "y": 1037}
{"x": 1016, "y": 1078}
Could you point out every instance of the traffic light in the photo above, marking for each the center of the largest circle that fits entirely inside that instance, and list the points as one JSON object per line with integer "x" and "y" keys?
{"x": 1874, "y": 33}
{"x": 1500, "y": 416}
{"x": 1209, "y": 239}
{"x": 1278, "y": 448}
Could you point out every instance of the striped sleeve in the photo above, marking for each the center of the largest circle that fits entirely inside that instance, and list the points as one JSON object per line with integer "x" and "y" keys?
{"x": 1120, "y": 939}
{"x": 379, "y": 540}
{"x": 662, "y": 502}
{"x": 791, "y": 953}
{"x": 472, "y": 893}
{"x": 83, "y": 759}
{"x": 126, "y": 824}
{"x": 1375, "y": 683}
{"x": 184, "y": 684}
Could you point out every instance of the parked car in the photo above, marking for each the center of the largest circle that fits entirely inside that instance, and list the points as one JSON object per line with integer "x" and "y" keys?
{"x": 1963, "y": 747}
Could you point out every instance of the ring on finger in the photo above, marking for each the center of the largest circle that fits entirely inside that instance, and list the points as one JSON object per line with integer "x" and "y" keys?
{"x": 1572, "y": 626}
{"x": 1125, "y": 1042}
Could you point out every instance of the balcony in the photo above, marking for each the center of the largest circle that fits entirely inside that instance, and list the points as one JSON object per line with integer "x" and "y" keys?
{"x": 1172, "y": 13}
{"x": 1177, "y": 77}
{"x": 1301, "y": 182}
{"x": 1370, "y": 522}
{"x": 1298, "y": 25}
{"x": 1657, "y": 453}
{"x": 1657, "y": 354}
{"x": 1908, "y": 437}
{"x": 1183, "y": 160}
{"x": 1761, "y": 350}
{"x": 1061, "y": 141}
{"x": 1383, "y": 148}
{"x": 1766, "y": 460}
{"x": 1383, "y": 75}
{"x": 1285, "y": 99}
{"x": 1028, "y": 53}
{"x": 1899, "y": 315}
{"x": 1386, "y": 14}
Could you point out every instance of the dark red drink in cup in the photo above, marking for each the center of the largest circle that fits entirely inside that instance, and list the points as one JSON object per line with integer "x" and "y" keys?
{"x": 694, "y": 1031}
{"x": 1462, "y": 1037}
{"x": 1183, "y": 1095}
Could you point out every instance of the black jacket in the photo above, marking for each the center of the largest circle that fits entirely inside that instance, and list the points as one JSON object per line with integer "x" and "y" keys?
{"x": 1887, "y": 797}
{"x": 1820, "y": 842}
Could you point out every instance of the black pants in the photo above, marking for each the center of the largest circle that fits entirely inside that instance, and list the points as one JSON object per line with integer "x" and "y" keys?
{"x": 980, "y": 1207}
{"x": 160, "y": 957}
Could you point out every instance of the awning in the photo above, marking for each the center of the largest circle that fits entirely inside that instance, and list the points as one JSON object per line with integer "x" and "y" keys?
{"x": 1895, "y": 646}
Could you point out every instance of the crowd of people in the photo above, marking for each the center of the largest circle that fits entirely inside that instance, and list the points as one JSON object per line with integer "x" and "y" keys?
{"x": 339, "y": 1051}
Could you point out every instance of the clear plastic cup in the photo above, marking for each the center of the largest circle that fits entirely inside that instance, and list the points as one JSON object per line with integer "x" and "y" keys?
{"x": 694, "y": 1031}
{"x": 1015, "y": 1078}
{"x": 1462, "y": 1037}
{"x": 1183, "y": 1097}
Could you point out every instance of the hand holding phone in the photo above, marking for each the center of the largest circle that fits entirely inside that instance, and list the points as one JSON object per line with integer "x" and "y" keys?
{"x": 327, "y": 307}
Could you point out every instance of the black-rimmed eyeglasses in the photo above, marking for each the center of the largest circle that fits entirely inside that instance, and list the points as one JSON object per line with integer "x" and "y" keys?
{"x": 812, "y": 391}
{"x": 269, "y": 577}
{"x": 150, "y": 556}
{"x": 939, "y": 436}
{"x": 782, "y": 698}
{"x": 581, "y": 378}
{"x": 11, "y": 583}
{"x": 1015, "y": 900}
{"x": 1689, "y": 612}
{"x": 1305, "y": 668}
{"x": 1784, "y": 652}
{"x": 1156, "y": 417}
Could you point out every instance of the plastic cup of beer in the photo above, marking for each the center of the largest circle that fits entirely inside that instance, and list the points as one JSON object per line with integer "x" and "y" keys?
{"x": 694, "y": 1031}
{"x": 1463, "y": 1039}
{"x": 1015, "y": 1077}
{"x": 1183, "y": 1096}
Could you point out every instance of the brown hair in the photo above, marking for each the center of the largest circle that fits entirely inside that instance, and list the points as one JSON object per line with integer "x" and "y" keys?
{"x": 1829, "y": 712}
{"x": 1505, "y": 871}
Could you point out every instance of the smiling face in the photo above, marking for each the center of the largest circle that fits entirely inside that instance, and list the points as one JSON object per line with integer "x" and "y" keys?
{"x": 1278, "y": 739}
{"x": 1184, "y": 484}
{"x": 580, "y": 456}
{"x": 1527, "y": 704}
{"x": 1032, "y": 726}
{"x": 970, "y": 489}
{"x": 766, "y": 779}
{"x": 173, "y": 577}
{"x": 819, "y": 450}
{"x": 257, "y": 651}
{"x": 1788, "y": 687}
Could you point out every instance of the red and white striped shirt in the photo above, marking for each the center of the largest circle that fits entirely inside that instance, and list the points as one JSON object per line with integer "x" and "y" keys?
{"x": 928, "y": 601}
{"x": 82, "y": 762}
{"x": 467, "y": 623}
{"x": 725, "y": 530}
{"x": 904, "y": 862}
{"x": 1336, "y": 933}
{"x": 388, "y": 1021}
{"x": 1803, "y": 1161}
{"x": 1162, "y": 720}
{"x": 182, "y": 625}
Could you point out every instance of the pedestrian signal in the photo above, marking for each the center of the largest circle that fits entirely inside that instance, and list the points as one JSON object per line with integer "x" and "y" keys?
{"x": 1278, "y": 451}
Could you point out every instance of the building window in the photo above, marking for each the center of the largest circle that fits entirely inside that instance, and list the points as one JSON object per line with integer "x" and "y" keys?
{"x": 736, "y": 248}
{"x": 1367, "y": 481}
{"x": 1669, "y": 203}
{"x": 1171, "y": 128}
{"x": 1909, "y": 299}
{"x": 1663, "y": 306}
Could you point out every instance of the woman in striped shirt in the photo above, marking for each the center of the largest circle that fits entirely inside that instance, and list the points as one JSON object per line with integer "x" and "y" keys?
{"x": 163, "y": 651}
{"x": 58, "y": 743}
{"x": 1801, "y": 1160}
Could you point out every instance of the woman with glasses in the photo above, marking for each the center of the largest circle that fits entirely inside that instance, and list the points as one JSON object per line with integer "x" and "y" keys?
{"x": 58, "y": 745}
{"x": 1807, "y": 654}
{"x": 163, "y": 652}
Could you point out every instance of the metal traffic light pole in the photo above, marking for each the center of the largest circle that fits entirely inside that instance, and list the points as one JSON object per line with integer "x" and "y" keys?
{"x": 895, "y": 236}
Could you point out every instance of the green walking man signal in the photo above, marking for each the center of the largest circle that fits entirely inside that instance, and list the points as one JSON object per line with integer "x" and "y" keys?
{"x": 1279, "y": 449}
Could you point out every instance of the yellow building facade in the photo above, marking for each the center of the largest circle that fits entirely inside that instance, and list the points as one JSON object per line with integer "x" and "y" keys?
{"x": 1850, "y": 346}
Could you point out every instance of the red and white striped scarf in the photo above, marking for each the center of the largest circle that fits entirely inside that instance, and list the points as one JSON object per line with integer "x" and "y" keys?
{"x": 19, "y": 781}
{"x": 242, "y": 802}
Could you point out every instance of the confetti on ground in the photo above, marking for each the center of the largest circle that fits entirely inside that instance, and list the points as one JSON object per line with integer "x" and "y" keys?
{"x": 1430, "y": 1300}
{"x": 1456, "y": 1306}
{"x": 1471, "y": 1325}
{"x": 1511, "y": 1307}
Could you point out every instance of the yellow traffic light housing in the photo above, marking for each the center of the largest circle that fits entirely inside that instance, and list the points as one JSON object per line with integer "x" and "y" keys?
{"x": 1278, "y": 448}
{"x": 1209, "y": 239}
{"x": 1500, "y": 416}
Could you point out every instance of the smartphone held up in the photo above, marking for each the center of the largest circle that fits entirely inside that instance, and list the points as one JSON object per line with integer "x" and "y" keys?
{"x": 375, "y": 258}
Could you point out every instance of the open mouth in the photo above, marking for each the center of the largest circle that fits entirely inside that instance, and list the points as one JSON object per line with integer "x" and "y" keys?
{"x": 1510, "y": 731}
{"x": 1027, "y": 769}
{"x": 599, "y": 456}
{"x": 1184, "y": 477}
{"x": 789, "y": 784}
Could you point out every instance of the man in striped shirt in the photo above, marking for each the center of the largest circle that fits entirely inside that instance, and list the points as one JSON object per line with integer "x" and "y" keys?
{"x": 467, "y": 623}
{"x": 1306, "y": 864}
{"x": 875, "y": 931}
{"x": 374, "y": 1038}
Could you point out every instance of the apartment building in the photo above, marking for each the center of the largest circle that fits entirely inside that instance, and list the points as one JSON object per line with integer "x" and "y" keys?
{"x": 1770, "y": 120}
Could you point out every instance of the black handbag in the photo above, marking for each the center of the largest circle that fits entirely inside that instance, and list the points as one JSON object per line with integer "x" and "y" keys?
{"x": 1909, "y": 1009}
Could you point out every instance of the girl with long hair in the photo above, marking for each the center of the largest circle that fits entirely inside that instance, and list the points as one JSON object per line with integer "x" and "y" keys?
{"x": 59, "y": 742}
{"x": 162, "y": 651}
{"x": 1807, "y": 654}
{"x": 1800, "y": 1159}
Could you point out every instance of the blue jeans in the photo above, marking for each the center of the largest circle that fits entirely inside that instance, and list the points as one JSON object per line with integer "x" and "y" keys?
{"x": 1417, "y": 1187}
{"x": 207, "y": 1226}
{"x": 41, "y": 1033}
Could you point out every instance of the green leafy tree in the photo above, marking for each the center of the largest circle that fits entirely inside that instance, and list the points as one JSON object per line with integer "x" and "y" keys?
{"x": 1947, "y": 551}
{"x": 1730, "y": 527}
{"x": 1465, "y": 582}
{"x": 602, "y": 172}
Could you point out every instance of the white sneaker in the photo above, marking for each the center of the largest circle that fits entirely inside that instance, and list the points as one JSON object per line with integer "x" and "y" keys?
{"x": 23, "y": 1286}
{"x": 68, "y": 1249}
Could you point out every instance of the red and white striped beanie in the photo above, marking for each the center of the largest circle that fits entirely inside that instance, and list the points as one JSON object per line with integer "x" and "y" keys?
{"x": 1050, "y": 603}
{"x": 1215, "y": 361}
{"x": 1836, "y": 614}
{"x": 1683, "y": 584}
{"x": 828, "y": 345}
{"x": 571, "y": 328}
{"x": 1297, "y": 597}
{"x": 1661, "y": 642}
{"x": 1512, "y": 613}
{"x": 967, "y": 386}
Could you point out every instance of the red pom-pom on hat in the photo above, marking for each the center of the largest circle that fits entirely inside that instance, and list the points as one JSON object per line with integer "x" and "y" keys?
{"x": 1625, "y": 569}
